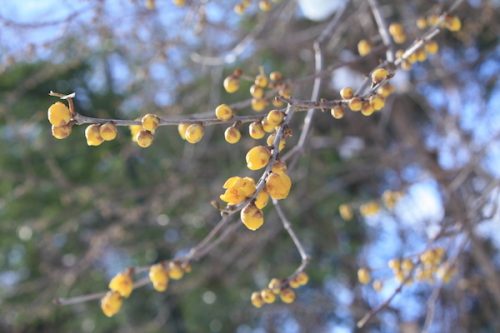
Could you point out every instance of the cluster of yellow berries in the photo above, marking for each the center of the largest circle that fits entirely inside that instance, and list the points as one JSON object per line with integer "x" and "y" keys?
{"x": 258, "y": 88}
{"x": 122, "y": 284}
{"x": 60, "y": 117}
{"x": 238, "y": 190}
{"x": 279, "y": 287}
{"x": 424, "y": 268}
{"x": 371, "y": 208}
{"x": 264, "y": 5}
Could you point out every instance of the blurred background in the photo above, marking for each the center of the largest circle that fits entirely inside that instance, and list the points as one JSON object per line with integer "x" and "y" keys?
{"x": 72, "y": 216}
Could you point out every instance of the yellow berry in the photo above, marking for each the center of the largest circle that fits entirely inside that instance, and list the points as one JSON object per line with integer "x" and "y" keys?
{"x": 285, "y": 92}
{"x": 150, "y": 122}
{"x": 258, "y": 104}
{"x": 262, "y": 199}
{"x": 346, "y": 212}
{"x": 231, "y": 84}
{"x": 59, "y": 114}
{"x": 396, "y": 29}
{"x": 268, "y": 128}
{"x": 400, "y": 39}
{"x": 194, "y": 133}
{"x": 337, "y": 112}
{"x": 61, "y": 132}
{"x": 256, "y": 299}
{"x": 223, "y": 112}
{"x": 278, "y": 103}
{"x": 181, "y": 128}
{"x": 377, "y": 102}
{"x": 421, "y": 23}
{"x": 394, "y": 264}
{"x": 232, "y": 135}
{"x": 275, "y": 117}
{"x": 287, "y": 295}
{"x": 256, "y": 130}
{"x": 252, "y": 217}
{"x": 379, "y": 75}
{"x": 261, "y": 81}
{"x": 134, "y": 129}
{"x": 346, "y": 93}
{"x": 453, "y": 23}
{"x": 268, "y": 296}
{"x": 175, "y": 271}
{"x": 122, "y": 283}
{"x": 355, "y": 104}
{"x": 258, "y": 157}
{"x": 364, "y": 47}
{"x": 364, "y": 276}
{"x": 93, "y": 136}
{"x": 144, "y": 139}
{"x": 111, "y": 303}
{"x": 406, "y": 65}
{"x": 108, "y": 131}
{"x": 413, "y": 57}
{"x": 275, "y": 285}
{"x": 432, "y": 47}
{"x": 256, "y": 91}
{"x": 278, "y": 185}
{"x": 265, "y": 5}
{"x": 159, "y": 277}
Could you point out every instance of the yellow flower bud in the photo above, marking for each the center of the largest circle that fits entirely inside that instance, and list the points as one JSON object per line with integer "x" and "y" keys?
{"x": 223, "y": 112}
{"x": 278, "y": 185}
{"x": 144, "y": 138}
{"x": 252, "y": 217}
{"x": 275, "y": 117}
{"x": 364, "y": 276}
{"x": 93, "y": 136}
{"x": 275, "y": 285}
{"x": 364, "y": 47}
{"x": 379, "y": 75}
{"x": 108, "y": 131}
{"x": 268, "y": 128}
{"x": 377, "y": 102}
{"x": 194, "y": 133}
{"x": 268, "y": 296}
{"x": 61, "y": 132}
{"x": 258, "y": 157}
{"x": 175, "y": 271}
{"x": 262, "y": 199}
{"x": 257, "y": 300}
{"x": 258, "y": 104}
{"x": 232, "y": 135}
{"x": 159, "y": 277}
{"x": 182, "y": 128}
{"x": 346, "y": 93}
{"x": 231, "y": 84}
{"x": 111, "y": 303}
{"x": 355, "y": 104}
{"x": 261, "y": 81}
{"x": 122, "y": 283}
{"x": 59, "y": 114}
{"x": 256, "y": 130}
{"x": 346, "y": 212}
{"x": 337, "y": 112}
{"x": 287, "y": 295}
{"x": 150, "y": 122}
